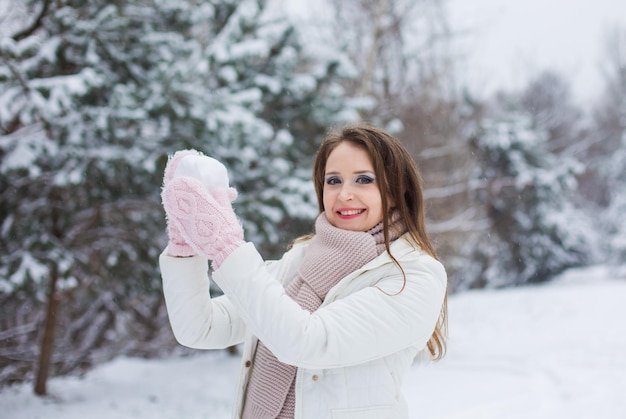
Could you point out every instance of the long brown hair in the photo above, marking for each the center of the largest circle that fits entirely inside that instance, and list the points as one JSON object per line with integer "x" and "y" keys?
{"x": 400, "y": 183}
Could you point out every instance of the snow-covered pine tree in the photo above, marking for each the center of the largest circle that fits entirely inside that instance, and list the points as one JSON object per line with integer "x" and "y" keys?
{"x": 607, "y": 154}
{"x": 270, "y": 96}
{"x": 615, "y": 215}
{"x": 81, "y": 210}
{"x": 535, "y": 231}
{"x": 93, "y": 96}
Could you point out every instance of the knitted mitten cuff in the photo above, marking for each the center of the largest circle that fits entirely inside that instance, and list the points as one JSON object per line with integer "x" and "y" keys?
{"x": 176, "y": 245}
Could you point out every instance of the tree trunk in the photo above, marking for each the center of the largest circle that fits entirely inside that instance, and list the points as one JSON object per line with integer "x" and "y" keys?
{"x": 370, "y": 63}
{"x": 47, "y": 339}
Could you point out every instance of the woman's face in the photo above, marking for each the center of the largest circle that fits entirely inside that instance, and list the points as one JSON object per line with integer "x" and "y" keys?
{"x": 352, "y": 199}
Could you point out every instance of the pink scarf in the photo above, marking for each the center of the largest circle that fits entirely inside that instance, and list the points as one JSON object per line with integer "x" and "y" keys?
{"x": 332, "y": 254}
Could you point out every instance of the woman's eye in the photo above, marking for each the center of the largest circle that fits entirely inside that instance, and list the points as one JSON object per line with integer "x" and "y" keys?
{"x": 333, "y": 180}
{"x": 364, "y": 180}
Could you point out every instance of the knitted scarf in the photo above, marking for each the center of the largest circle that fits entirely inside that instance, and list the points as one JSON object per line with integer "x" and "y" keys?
{"x": 332, "y": 254}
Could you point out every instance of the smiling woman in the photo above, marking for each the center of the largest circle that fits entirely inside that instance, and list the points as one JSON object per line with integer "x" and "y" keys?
{"x": 330, "y": 330}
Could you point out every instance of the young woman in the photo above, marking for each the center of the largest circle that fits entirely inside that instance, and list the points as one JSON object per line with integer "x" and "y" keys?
{"x": 329, "y": 330}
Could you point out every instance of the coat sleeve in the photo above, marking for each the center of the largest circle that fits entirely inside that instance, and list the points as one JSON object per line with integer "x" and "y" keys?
{"x": 368, "y": 324}
{"x": 198, "y": 321}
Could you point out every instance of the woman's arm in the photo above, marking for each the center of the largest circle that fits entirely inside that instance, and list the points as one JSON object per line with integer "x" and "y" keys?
{"x": 366, "y": 325}
{"x": 197, "y": 320}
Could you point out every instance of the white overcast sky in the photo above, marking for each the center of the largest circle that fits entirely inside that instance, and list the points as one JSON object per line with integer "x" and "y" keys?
{"x": 504, "y": 43}
{"x": 508, "y": 42}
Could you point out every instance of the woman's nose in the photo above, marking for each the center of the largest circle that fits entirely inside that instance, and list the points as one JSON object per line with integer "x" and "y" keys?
{"x": 346, "y": 192}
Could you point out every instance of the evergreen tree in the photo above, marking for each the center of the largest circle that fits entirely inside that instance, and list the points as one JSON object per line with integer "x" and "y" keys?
{"x": 616, "y": 213}
{"x": 93, "y": 97}
{"x": 612, "y": 168}
{"x": 608, "y": 151}
{"x": 535, "y": 232}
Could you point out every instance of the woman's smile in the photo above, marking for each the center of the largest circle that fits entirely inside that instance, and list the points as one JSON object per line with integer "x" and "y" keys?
{"x": 348, "y": 213}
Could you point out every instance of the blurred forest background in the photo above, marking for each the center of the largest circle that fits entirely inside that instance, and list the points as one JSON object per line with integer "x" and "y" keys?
{"x": 95, "y": 94}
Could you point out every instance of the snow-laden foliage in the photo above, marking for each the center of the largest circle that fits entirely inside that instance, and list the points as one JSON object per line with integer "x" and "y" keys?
{"x": 535, "y": 231}
{"x": 609, "y": 154}
{"x": 91, "y": 103}
{"x": 615, "y": 215}
{"x": 107, "y": 87}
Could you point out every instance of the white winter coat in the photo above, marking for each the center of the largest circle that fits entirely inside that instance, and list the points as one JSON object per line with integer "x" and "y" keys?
{"x": 352, "y": 353}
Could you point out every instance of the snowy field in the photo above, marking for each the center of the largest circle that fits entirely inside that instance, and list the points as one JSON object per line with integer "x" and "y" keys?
{"x": 551, "y": 351}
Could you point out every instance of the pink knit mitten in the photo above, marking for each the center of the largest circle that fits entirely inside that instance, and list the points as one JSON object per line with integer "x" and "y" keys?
{"x": 205, "y": 220}
{"x": 176, "y": 245}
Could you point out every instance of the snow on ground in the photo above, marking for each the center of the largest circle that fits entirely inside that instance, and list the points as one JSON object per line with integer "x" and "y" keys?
{"x": 550, "y": 351}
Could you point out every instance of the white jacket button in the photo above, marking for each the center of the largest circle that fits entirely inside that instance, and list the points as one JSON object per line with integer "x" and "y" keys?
{"x": 315, "y": 377}
{"x": 248, "y": 363}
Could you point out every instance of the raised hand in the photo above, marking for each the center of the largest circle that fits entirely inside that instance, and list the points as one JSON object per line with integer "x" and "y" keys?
{"x": 206, "y": 221}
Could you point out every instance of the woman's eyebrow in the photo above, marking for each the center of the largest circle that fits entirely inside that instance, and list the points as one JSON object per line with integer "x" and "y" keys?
{"x": 358, "y": 172}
